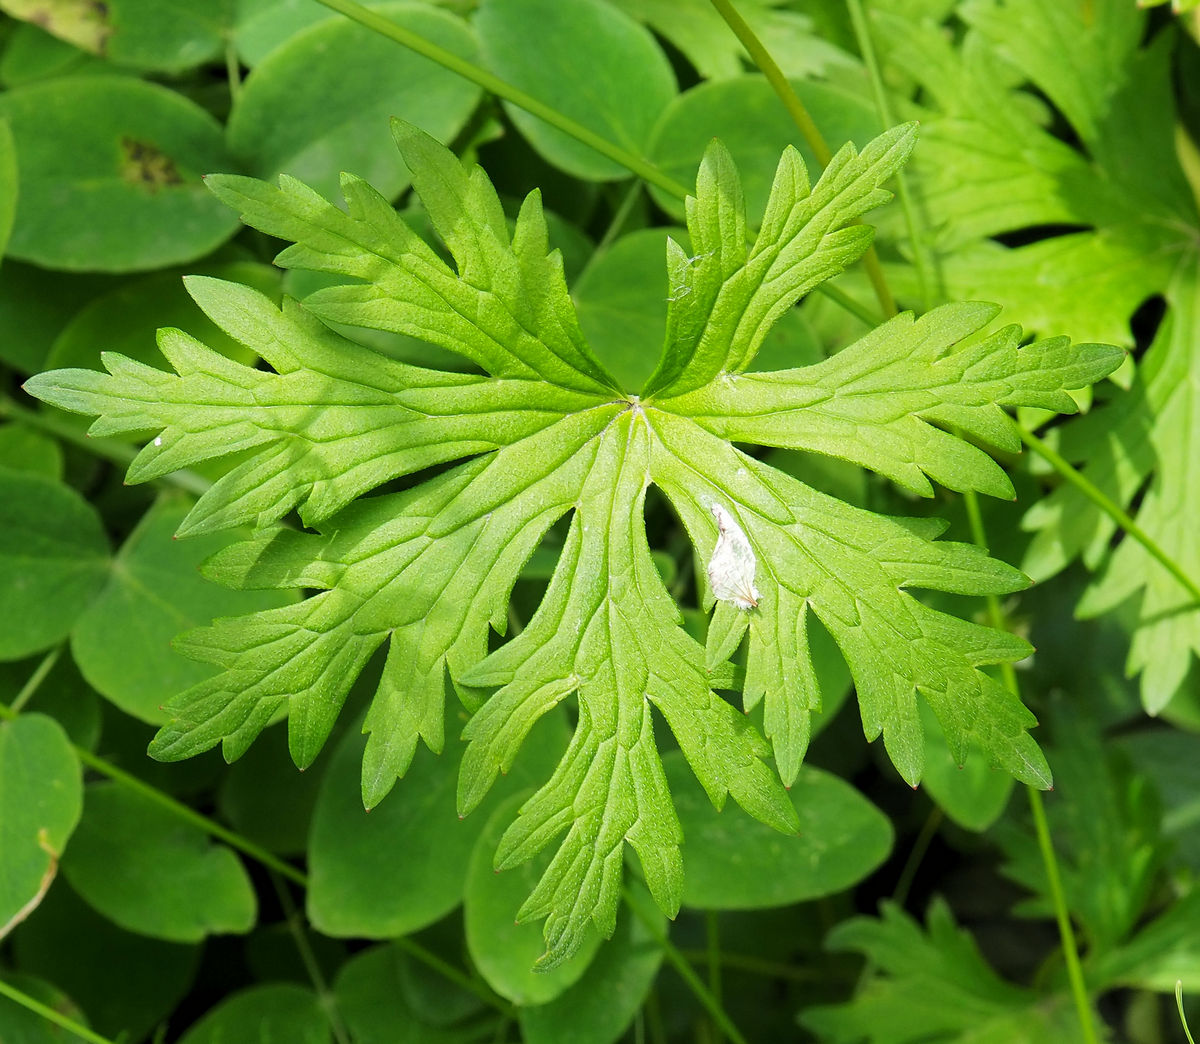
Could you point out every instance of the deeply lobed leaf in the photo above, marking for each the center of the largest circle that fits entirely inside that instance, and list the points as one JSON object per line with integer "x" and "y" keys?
{"x": 544, "y": 433}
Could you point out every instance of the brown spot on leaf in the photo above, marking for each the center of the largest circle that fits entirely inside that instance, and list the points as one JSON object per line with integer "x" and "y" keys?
{"x": 148, "y": 166}
{"x": 84, "y": 23}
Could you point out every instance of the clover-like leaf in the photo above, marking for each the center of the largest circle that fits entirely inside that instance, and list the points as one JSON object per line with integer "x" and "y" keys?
{"x": 544, "y": 433}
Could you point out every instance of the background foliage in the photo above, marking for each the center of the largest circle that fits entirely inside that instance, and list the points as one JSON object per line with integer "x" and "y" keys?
{"x": 1056, "y": 175}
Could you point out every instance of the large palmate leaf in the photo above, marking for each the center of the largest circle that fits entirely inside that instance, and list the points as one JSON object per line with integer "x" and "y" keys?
{"x": 543, "y": 433}
{"x": 1106, "y": 226}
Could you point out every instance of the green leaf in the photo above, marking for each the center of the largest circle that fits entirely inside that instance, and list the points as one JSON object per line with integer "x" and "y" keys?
{"x": 53, "y": 561}
{"x": 145, "y": 869}
{"x": 41, "y": 796}
{"x": 972, "y": 793}
{"x": 361, "y": 882}
{"x": 8, "y": 183}
{"x": 736, "y": 863}
{"x": 35, "y": 305}
{"x": 1162, "y": 953}
{"x": 745, "y": 114}
{"x": 502, "y": 946}
{"x": 599, "y": 1007}
{"x": 570, "y": 58}
{"x": 122, "y": 640}
{"x": 108, "y": 163}
{"x": 933, "y": 985}
{"x": 126, "y": 983}
{"x": 319, "y": 104}
{"x": 281, "y": 1011}
{"x": 429, "y": 570}
{"x": 22, "y": 1026}
{"x": 159, "y": 35}
{"x": 24, "y": 449}
{"x": 1164, "y": 756}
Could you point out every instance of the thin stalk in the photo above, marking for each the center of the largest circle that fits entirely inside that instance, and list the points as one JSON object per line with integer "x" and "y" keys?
{"x": 50, "y": 1015}
{"x": 454, "y": 975}
{"x": 685, "y": 970}
{"x": 233, "y": 71}
{"x": 35, "y": 679}
{"x": 615, "y": 224}
{"x": 510, "y": 93}
{"x": 920, "y": 846}
{"x": 866, "y": 47}
{"x": 812, "y": 134}
{"x": 712, "y": 931}
{"x": 110, "y": 449}
{"x": 1108, "y": 506}
{"x": 1066, "y": 932}
{"x": 309, "y": 960}
{"x": 1179, "y": 1004}
{"x": 755, "y": 965}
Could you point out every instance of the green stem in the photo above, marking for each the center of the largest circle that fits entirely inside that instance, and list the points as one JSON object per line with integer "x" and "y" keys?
{"x": 808, "y": 128}
{"x": 510, "y": 93}
{"x": 712, "y": 931}
{"x": 308, "y": 959}
{"x": 756, "y": 965}
{"x": 209, "y": 826}
{"x": 1182, "y": 1017}
{"x": 35, "y": 679}
{"x": 685, "y": 970}
{"x": 1066, "y": 932}
{"x": 920, "y": 846}
{"x": 452, "y": 974}
{"x": 110, "y": 449}
{"x": 50, "y": 1015}
{"x": 1108, "y": 506}
{"x": 866, "y": 47}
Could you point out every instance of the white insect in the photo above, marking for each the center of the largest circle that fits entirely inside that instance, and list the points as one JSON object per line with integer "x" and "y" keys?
{"x": 731, "y": 568}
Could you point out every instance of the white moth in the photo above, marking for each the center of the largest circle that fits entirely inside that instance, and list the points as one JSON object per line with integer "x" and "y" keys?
{"x": 731, "y": 568}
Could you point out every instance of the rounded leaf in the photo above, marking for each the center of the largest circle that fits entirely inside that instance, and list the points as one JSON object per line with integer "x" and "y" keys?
{"x": 745, "y": 114}
{"x": 587, "y": 60}
{"x": 122, "y": 641}
{"x": 110, "y": 175}
{"x": 278, "y": 1012}
{"x": 734, "y": 862}
{"x": 149, "y": 871}
{"x": 41, "y": 796}
{"x": 972, "y": 794}
{"x": 503, "y": 950}
{"x": 320, "y": 104}
{"x": 53, "y": 560}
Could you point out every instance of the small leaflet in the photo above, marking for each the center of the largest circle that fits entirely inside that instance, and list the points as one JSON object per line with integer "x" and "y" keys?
{"x": 731, "y": 568}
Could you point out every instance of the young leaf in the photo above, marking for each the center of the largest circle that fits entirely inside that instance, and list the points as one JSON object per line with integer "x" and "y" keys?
{"x": 550, "y": 434}
{"x": 992, "y": 167}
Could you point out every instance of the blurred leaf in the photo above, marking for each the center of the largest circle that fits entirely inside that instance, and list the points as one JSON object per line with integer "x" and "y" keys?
{"x": 1169, "y": 758}
{"x": 19, "y": 1025}
{"x": 572, "y": 57}
{"x": 933, "y": 986}
{"x": 35, "y": 305}
{"x": 122, "y": 640}
{"x": 1164, "y": 952}
{"x": 8, "y": 183}
{"x": 53, "y": 560}
{"x": 600, "y": 1006}
{"x": 160, "y": 35}
{"x": 747, "y": 116}
{"x": 403, "y": 864}
{"x": 110, "y": 175}
{"x": 278, "y": 1013}
{"x": 33, "y": 54}
{"x": 126, "y": 983}
{"x": 972, "y": 794}
{"x": 319, "y": 104}
{"x": 41, "y": 796}
{"x": 738, "y": 863}
{"x": 147, "y": 870}
{"x": 371, "y": 1000}
{"x": 62, "y": 695}
{"x": 503, "y": 949}
{"x": 23, "y": 448}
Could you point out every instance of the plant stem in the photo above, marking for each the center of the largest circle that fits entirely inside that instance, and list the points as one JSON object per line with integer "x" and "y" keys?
{"x": 1182, "y": 1017}
{"x": 452, "y": 974}
{"x": 309, "y": 960}
{"x": 712, "y": 931}
{"x": 110, "y": 449}
{"x": 50, "y": 1015}
{"x": 866, "y": 46}
{"x": 1066, "y": 932}
{"x": 1108, "y": 506}
{"x": 35, "y": 679}
{"x": 804, "y": 121}
{"x": 510, "y": 93}
{"x": 920, "y": 846}
{"x": 755, "y": 965}
{"x": 685, "y": 970}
